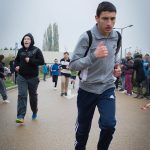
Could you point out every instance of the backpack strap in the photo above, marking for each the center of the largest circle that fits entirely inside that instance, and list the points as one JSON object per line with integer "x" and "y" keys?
{"x": 90, "y": 43}
{"x": 118, "y": 42}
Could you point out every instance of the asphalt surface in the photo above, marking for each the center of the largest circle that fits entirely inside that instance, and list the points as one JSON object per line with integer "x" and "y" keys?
{"x": 54, "y": 127}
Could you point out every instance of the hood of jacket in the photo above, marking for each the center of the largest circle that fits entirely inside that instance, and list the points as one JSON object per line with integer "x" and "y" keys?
{"x": 31, "y": 37}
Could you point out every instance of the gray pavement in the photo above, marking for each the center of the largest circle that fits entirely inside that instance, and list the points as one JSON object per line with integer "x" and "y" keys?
{"x": 54, "y": 128}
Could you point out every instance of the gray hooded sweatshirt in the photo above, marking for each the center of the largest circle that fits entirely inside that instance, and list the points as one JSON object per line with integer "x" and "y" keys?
{"x": 96, "y": 73}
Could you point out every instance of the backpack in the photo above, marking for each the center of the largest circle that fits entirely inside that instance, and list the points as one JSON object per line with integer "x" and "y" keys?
{"x": 90, "y": 43}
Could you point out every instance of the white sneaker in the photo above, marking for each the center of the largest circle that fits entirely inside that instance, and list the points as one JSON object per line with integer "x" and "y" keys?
{"x": 55, "y": 88}
{"x": 123, "y": 91}
{"x": 6, "y": 101}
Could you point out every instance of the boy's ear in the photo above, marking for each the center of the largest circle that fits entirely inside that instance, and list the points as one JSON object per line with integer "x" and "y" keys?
{"x": 96, "y": 18}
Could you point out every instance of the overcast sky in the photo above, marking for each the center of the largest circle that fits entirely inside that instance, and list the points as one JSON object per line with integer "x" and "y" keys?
{"x": 18, "y": 17}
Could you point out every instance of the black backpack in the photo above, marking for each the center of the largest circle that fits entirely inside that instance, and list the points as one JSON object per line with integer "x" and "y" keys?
{"x": 90, "y": 43}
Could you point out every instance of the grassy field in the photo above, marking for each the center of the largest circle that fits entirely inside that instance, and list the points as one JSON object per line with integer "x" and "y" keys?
{"x": 9, "y": 83}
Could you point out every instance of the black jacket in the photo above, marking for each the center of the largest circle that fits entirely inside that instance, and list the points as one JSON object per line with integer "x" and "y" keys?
{"x": 138, "y": 66}
{"x": 2, "y": 70}
{"x": 30, "y": 69}
{"x": 64, "y": 63}
{"x": 12, "y": 66}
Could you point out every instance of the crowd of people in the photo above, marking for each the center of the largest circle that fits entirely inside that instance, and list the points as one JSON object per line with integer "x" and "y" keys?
{"x": 135, "y": 76}
{"x": 60, "y": 68}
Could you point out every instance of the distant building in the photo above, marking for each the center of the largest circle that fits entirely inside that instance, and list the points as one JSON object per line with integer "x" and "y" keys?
{"x": 48, "y": 56}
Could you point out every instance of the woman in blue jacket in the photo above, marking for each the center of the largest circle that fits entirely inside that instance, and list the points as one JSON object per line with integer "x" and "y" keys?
{"x": 55, "y": 72}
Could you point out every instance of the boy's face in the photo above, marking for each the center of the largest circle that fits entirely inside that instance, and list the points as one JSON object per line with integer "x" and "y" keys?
{"x": 66, "y": 56}
{"x": 27, "y": 41}
{"x": 106, "y": 22}
{"x": 55, "y": 61}
{"x": 129, "y": 55}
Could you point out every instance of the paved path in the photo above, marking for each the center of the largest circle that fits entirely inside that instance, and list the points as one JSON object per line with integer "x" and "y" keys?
{"x": 54, "y": 128}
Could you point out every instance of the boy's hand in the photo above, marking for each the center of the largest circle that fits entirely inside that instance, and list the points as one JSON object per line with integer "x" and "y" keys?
{"x": 27, "y": 59}
{"x": 101, "y": 50}
{"x": 17, "y": 68}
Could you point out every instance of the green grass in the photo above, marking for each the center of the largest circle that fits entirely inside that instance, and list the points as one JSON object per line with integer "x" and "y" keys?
{"x": 8, "y": 82}
{"x": 40, "y": 75}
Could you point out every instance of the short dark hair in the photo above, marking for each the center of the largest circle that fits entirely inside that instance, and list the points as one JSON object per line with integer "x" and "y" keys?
{"x": 1, "y": 57}
{"x": 105, "y": 6}
{"x": 66, "y": 53}
{"x": 146, "y": 54}
{"x": 137, "y": 55}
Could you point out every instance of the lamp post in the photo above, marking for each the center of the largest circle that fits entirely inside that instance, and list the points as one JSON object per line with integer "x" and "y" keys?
{"x": 125, "y": 52}
{"x": 121, "y": 36}
{"x": 16, "y": 48}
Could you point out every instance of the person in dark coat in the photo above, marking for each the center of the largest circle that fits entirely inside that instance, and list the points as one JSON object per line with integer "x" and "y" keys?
{"x": 3, "y": 91}
{"x": 27, "y": 64}
{"x": 129, "y": 73}
{"x": 12, "y": 70}
{"x": 140, "y": 76}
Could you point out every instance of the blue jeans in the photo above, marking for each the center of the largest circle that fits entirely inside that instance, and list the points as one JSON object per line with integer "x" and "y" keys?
{"x": 44, "y": 76}
{"x": 122, "y": 82}
{"x": 3, "y": 91}
{"x": 86, "y": 104}
{"x": 25, "y": 86}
